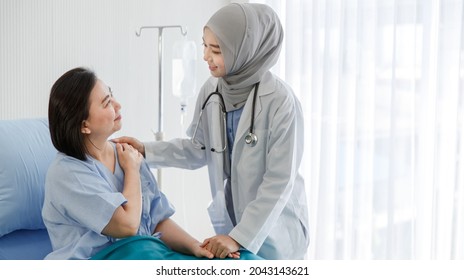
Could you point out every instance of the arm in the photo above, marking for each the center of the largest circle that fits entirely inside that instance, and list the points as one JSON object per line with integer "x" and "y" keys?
{"x": 178, "y": 152}
{"x": 126, "y": 218}
{"x": 179, "y": 240}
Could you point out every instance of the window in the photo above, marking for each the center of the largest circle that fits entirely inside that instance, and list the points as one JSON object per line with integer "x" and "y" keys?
{"x": 381, "y": 83}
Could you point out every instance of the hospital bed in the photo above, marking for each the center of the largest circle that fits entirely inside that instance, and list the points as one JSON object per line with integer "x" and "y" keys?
{"x": 26, "y": 151}
{"x": 25, "y": 154}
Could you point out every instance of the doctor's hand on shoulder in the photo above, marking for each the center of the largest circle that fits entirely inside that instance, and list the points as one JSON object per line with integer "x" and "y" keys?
{"x": 131, "y": 141}
{"x": 222, "y": 246}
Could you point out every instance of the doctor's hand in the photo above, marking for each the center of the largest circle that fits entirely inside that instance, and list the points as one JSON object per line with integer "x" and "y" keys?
{"x": 131, "y": 141}
{"x": 222, "y": 246}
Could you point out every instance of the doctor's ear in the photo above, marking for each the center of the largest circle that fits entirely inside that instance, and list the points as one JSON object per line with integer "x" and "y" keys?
{"x": 84, "y": 128}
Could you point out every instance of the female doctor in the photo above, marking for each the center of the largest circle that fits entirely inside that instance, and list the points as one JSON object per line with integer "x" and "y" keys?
{"x": 248, "y": 128}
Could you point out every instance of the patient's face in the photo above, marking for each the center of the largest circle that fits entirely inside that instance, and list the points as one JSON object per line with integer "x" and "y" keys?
{"x": 104, "y": 114}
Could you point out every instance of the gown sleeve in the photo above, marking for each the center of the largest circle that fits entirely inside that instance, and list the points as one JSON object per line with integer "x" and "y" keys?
{"x": 82, "y": 195}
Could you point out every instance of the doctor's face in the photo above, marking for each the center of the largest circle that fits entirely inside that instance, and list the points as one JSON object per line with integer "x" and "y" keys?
{"x": 212, "y": 54}
{"x": 104, "y": 112}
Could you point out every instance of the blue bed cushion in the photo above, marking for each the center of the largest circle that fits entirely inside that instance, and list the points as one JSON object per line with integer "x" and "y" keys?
{"x": 25, "y": 245}
{"x": 26, "y": 152}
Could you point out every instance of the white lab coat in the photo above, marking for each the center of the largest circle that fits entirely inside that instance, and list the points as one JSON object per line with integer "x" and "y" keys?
{"x": 268, "y": 191}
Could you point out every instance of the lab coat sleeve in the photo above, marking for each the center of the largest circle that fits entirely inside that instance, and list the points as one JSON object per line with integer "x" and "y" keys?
{"x": 282, "y": 161}
{"x": 180, "y": 152}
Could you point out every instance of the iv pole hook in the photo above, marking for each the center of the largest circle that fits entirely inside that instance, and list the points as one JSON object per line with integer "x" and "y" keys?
{"x": 182, "y": 31}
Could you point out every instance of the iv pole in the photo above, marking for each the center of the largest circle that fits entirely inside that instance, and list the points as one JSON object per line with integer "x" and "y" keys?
{"x": 159, "y": 135}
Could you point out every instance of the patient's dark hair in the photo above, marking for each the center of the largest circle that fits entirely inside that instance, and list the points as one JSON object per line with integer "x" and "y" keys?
{"x": 68, "y": 107}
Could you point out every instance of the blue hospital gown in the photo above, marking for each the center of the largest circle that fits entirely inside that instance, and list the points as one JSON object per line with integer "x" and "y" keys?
{"x": 80, "y": 199}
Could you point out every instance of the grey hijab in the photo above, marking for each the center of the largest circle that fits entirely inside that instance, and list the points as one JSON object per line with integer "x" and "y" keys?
{"x": 250, "y": 37}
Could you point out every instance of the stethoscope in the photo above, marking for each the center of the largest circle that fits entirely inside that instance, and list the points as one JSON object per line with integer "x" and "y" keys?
{"x": 250, "y": 139}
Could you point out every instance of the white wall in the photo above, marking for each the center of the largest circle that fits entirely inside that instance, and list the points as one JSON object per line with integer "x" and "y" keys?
{"x": 40, "y": 40}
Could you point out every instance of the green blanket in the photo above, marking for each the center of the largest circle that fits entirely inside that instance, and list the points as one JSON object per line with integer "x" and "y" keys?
{"x": 150, "y": 248}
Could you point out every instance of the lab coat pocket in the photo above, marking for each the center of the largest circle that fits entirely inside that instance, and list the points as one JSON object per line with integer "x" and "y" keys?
{"x": 252, "y": 156}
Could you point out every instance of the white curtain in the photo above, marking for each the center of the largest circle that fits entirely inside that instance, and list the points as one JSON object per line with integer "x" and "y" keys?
{"x": 381, "y": 82}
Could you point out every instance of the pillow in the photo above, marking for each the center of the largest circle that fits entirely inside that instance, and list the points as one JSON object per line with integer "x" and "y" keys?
{"x": 26, "y": 151}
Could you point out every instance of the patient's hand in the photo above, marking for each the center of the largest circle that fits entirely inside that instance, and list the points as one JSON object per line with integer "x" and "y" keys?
{"x": 131, "y": 141}
{"x": 201, "y": 252}
{"x": 129, "y": 157}
{"x": 222, "y": 246}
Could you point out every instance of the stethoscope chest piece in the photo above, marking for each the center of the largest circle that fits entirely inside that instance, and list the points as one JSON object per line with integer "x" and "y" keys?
{"x": 251, "y": 139}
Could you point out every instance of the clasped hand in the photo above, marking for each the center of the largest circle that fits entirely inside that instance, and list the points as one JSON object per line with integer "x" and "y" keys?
{"x": 222, "y": 246}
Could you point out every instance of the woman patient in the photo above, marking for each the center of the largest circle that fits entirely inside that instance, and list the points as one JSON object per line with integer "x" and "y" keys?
{"x": 98, "y": 192}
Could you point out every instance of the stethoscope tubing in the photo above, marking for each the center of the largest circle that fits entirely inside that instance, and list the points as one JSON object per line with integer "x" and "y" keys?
{"x": 251, "y": 138}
